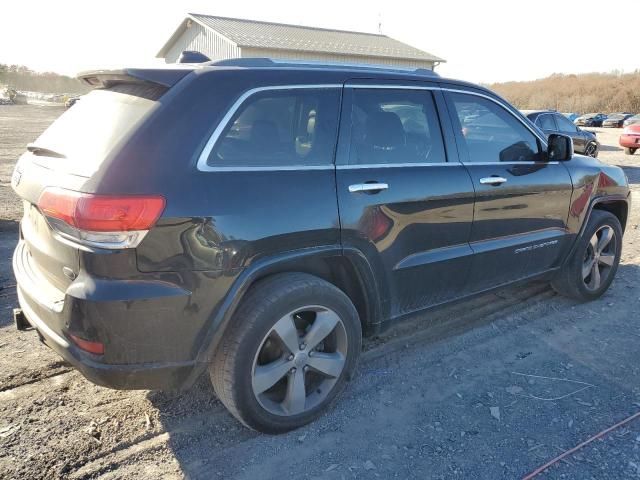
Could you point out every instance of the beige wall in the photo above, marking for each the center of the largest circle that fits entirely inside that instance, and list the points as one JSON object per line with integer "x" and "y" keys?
{"x": 204, "y": 41}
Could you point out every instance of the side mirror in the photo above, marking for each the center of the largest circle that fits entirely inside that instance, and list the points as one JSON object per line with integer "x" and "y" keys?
{"x": 560, "y": 148}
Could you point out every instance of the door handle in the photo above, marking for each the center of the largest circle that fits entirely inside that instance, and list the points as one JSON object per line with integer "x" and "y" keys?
{"x": 367, "y": 187}
{"x": 492, "y": 180}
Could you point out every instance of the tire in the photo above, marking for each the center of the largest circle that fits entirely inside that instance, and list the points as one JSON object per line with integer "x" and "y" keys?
{"x": 577, "y": 278}
{"x": 591, "y": 149}
{"x": 252, "y": 343}
{"x": 629, "y": 151}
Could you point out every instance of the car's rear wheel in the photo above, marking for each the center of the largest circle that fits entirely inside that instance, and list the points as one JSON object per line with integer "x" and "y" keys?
{"x": 591, "y": 149}
{"x": 593, "y": 265}
{"x": 292, "y": 345}
{"x": 629, "y": 151}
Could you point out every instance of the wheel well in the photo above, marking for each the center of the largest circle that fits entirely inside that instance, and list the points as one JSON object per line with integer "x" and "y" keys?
{"x": 617, "y": 207}
{"x": 338, "y": 271}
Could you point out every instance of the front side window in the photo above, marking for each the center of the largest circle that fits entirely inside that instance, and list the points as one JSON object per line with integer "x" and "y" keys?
{"x": 491, "y": 133}
{"x": 565, "y": 125}
{"x": 394, "y": 126}
{"x": 280, "y": 128}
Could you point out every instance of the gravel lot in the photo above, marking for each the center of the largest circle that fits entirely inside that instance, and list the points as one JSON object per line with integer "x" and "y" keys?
{"x": 489, "y": 388}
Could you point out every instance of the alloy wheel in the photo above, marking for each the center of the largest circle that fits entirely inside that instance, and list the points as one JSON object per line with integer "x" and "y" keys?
{"x": 299, "y": 361}
{"x": 591, "y": 150}
{"x": 599, "y": 258}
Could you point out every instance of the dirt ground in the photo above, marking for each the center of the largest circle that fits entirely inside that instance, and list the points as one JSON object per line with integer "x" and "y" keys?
{"x": 489, "y": 388}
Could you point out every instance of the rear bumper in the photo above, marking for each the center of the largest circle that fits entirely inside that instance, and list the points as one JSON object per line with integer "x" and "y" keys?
{"x": 54, "y": 318}
{"x": 630, "y": 141}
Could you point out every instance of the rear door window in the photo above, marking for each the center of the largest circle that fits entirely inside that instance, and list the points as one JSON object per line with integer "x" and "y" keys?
{"x": 545, "y": 122}
{"x": 81, "y": 138}
{"x": 565, "y": 125}
{"x": 394, "y": 126}
{"x": 282, "y": 128}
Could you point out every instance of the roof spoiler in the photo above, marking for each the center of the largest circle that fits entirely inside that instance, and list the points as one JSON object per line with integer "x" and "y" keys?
{"x": 167, "y": 76}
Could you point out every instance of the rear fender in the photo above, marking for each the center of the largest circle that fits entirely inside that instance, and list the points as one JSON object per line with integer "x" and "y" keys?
{"x": 222, "y": 316}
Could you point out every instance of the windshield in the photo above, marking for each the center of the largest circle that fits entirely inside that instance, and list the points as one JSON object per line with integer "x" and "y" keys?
{"x": 83, "y": 136}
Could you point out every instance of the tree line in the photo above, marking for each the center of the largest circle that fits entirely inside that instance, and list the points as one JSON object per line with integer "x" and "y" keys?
{"x": 20, "y": 77}
{"x": 585, "y": 93}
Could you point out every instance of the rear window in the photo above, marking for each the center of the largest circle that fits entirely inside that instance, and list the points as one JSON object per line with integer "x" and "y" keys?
{"x": 85, "y": 134}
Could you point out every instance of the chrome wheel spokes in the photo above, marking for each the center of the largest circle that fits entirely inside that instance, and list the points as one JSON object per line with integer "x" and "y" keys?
{"x": 599, "y": 258}
{"x": 299, "y": 360}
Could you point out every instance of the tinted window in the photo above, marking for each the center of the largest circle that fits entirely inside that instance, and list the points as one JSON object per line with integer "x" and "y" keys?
{"x": 87, "y": 132}
{"x": 491, "y": 133}
{"x": 394, "y": 127}
{"x": 565, "y": 125}
{"x": 545, "y": 122}
{"x": 281, "y": 128}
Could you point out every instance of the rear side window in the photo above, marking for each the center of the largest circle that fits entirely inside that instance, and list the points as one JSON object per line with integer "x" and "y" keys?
{"x": 85, "y": 134}
{"x": 287, "y": 128}
{"x": 565, "y": 125}
{"x": 491, "y": 133}
{"x": 545, "y": 122}
{"x": 394, "y": 126}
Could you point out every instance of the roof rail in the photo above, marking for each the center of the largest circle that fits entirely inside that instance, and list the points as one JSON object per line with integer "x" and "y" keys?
{"x": 264, "y": 62}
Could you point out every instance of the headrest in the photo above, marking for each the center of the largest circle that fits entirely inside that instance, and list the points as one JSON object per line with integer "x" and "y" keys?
{"x": 384, "y": 130}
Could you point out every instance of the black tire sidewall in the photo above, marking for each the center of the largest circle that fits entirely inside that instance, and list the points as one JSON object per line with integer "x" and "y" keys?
{"x": 319, "y": 293}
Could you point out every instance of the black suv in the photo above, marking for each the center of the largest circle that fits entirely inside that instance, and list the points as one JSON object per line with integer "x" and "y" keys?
{"x": 253, "y": 218}
{"x": 549, "y": 121}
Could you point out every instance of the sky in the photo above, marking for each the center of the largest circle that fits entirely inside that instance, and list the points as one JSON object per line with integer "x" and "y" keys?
{"x": 482, "y": 40}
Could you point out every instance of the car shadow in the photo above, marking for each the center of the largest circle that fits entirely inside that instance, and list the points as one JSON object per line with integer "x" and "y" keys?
{"x": 609, "y": 148}
{"x": 8, "y": 297}
{"x": 201, "y": 429}
{"x": 8, "y": 226}
{"x": 633, "y": 173}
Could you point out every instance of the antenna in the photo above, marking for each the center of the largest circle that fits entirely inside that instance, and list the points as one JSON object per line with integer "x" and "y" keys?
{"x": 379, "y": 22}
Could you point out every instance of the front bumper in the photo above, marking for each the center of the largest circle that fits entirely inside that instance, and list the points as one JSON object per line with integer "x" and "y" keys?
{"x": 55, "y": 315}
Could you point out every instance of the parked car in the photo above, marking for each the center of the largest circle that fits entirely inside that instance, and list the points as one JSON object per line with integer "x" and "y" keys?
{"x": 71, "y": 101}
{"x": 571, "y": 116}
{"x": 590, "y": 120}
{"x": 207, "y": 218}
{"x": 551, "y": 122}
{"x": 616, "y": 120}
{"x": 631, "y": 120}
{"x": 630, "y": 138}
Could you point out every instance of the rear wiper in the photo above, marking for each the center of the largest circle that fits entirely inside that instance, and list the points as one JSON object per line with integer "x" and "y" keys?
{"x": 45, "y": 152}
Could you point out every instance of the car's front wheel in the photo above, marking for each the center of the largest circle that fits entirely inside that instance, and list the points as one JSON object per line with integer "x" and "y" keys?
{"x": 292, "y": 345}
{"x": 594, "y": 262}
{"x": 629, "y": 151}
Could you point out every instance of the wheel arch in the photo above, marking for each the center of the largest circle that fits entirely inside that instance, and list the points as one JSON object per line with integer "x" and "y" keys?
{"x": 617, "y": 205}
{"x": 347, "y": 270}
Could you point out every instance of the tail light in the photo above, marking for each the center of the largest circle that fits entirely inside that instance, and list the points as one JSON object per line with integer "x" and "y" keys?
{"x": 103, "y": 221}
{"x": 97, "y": 348}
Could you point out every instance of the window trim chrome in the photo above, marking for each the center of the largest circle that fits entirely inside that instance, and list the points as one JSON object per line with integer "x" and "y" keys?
{"x": 397, "y": 165}
{"x": 496, "y": 101}
{"x": 445, "y": 89}
{"x": 222, "y": 125}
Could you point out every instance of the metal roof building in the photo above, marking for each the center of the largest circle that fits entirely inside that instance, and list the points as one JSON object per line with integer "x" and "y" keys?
{"x": 221, "y": 38}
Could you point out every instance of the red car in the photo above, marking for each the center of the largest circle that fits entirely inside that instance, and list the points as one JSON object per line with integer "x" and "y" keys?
{"x": 630, "y": 139}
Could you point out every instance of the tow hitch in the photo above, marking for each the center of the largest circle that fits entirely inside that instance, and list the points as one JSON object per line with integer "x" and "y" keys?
{"x": 20, "y": 320}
